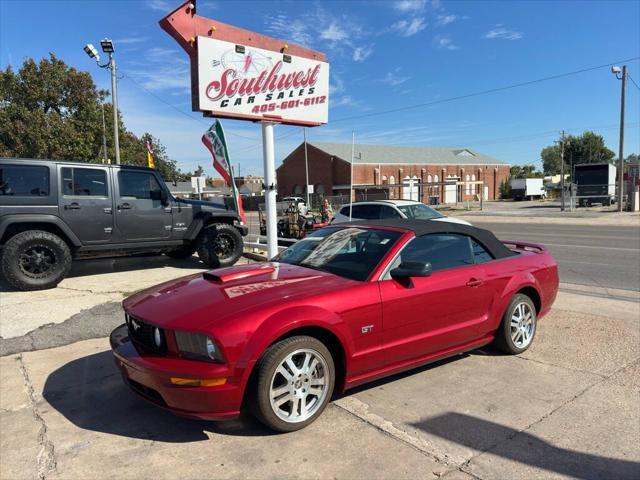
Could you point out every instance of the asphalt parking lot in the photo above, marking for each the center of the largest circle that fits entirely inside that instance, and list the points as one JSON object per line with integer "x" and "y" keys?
{"x": 567, "y": 408}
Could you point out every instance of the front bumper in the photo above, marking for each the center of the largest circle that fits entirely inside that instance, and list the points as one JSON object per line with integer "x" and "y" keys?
{"x": 149, "y": 377}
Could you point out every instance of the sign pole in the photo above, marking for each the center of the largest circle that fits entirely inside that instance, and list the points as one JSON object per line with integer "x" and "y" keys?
{"x": 270, "y": 188}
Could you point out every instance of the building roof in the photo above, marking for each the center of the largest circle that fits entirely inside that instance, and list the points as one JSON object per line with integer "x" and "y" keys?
{"x": 393, "y": 154}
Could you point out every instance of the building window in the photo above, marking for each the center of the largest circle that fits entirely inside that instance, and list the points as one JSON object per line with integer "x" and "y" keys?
{"x": 467, "y": 186}
{"x": 474, "y": 186}
{"x": 392, "y": 181}
{"x": 384, "y": 179}
{"x": 297, "y": 190}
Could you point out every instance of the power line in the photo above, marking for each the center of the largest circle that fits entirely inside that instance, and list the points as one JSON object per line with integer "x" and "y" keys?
{"x": 483, "y": 92}
{"x": 634, "y": 82}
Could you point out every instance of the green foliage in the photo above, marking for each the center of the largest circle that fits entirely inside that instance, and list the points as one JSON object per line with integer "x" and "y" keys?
{"x": 52, "y": 111}
{"x": 524, "y": 171}
{"x": 586, "y": 148}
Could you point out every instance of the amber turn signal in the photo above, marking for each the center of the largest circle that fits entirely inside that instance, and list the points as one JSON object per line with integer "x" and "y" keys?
{"x": 198, "y": 382}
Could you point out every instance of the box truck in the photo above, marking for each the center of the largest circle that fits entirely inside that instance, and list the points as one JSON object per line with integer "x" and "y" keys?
{"x": 527, "y": 188}
{"x": 596, "y": 183}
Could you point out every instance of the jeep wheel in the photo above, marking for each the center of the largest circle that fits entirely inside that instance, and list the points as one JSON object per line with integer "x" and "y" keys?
{"x": 220, "y": 245}
{"x": 35, "y": 260}
{"x": 184, "y": 251}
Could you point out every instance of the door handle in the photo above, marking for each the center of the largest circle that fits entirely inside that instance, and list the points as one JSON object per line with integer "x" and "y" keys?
{"x": 72, "y": 206}
{"x": 474, "y": 282}
{"x": 124, "y": 206}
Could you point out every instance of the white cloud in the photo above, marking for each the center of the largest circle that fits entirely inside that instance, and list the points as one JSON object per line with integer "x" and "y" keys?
{"x": 130, "y": 40}
{"x": 282, "y": 26}
{"x": 160, "y": 69}
{"x": 360, "y": 54}
{"x": 160, "y": 5}
{"x": 444, "y": 42}
{"x": 499, "y": 31}
{"x": 446, "y": 19}
{"x": 394, "y": 78}
{"x": 333, "y": 33}
{"x": 408, "y": 28}
{"x": 410, "y": 6}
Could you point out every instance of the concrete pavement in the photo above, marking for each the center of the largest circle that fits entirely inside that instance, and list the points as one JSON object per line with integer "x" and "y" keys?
{"x": 567, "y": 408}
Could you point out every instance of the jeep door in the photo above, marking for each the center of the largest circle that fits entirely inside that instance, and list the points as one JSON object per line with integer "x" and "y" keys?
{"x": 140, "y": 213}
{"x": 86, "y": 202}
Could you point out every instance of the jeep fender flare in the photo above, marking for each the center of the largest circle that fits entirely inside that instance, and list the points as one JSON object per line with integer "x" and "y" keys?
{"x": 40, "y": 218}
{"x": 202, "y": 219}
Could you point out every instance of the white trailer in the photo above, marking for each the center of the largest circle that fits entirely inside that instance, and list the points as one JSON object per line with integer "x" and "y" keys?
{"x": 527, "y": 188}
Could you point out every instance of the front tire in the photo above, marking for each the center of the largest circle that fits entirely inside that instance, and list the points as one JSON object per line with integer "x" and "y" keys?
{"x": 294, "y": 383}
{"x": 220, "y": 245}
{"x": 518, "y": 327}
{"x": 35, "y": 260}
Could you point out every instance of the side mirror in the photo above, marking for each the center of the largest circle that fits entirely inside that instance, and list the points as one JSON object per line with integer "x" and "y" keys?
{"x": 407, "y": 270}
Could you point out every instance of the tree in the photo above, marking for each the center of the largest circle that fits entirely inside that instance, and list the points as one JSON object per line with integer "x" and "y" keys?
{"x": 524, "y": 171}
{"x": 586, "y": 148}
{"x": 52, "y": 111}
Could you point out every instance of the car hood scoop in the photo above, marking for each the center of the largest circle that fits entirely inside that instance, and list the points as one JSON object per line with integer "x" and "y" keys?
{"x": 226, "y": 275}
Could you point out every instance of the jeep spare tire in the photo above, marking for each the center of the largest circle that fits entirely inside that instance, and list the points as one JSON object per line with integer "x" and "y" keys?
{"x": 220, "y": 245}
{"x": 35, "y": 260}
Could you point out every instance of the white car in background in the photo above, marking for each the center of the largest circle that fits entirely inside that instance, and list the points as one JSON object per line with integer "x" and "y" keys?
{"x": 378, "y": 209}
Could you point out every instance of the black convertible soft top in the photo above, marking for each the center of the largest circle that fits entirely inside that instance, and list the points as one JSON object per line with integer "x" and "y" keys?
{"x": 425, "y": 227}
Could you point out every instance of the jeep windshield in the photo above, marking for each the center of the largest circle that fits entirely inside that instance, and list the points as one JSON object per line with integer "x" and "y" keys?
{"x": 348, "y": 252}
{"x": 419, "y": 211}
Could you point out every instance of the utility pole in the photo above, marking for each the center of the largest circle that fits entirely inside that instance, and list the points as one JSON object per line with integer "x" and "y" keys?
{"x": 562, "y": 173}
{"x": 104, "y": 138}
{"x": 114, "y": 99}
{"x": 621, "y": 148}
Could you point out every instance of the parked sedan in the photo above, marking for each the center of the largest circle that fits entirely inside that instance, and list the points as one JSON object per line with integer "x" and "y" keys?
{"x": 389, "y": 209}
{"x": 346, "y": 305}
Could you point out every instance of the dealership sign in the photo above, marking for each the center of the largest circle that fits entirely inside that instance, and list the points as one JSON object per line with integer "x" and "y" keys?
{"x": 244, "y": 82}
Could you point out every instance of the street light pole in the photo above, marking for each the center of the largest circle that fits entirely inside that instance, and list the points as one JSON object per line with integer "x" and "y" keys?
{"x": 114, "y": 99}
{"x": 104, "y": 137}
{"x": 107, "y": 47}
{"x": 621, "y": 147}
{"x": 562, "y": 174}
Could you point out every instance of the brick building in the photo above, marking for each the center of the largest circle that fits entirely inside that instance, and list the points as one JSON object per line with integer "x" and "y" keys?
{"x": 429, "y": 174}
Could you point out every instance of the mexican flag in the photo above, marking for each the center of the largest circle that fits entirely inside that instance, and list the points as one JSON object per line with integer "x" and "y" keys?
{"x": 215, "y": 142}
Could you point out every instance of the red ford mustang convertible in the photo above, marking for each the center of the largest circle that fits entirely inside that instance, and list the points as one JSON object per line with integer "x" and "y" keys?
{"x": 346, "y": 305}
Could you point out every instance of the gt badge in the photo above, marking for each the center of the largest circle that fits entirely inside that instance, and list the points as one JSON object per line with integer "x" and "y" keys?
{"x": 367, "y": 329}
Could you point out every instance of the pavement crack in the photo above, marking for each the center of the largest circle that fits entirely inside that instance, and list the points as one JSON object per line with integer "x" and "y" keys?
{"x": 46, "y": 460}
{"x": 571, "y": 369}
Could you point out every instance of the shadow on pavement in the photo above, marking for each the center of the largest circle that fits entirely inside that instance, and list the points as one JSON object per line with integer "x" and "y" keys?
{"x": 90, "y": 393}
{"x": 525, "y": 448}
{"x": 84, "y": 267}
{"x": 97, "y": 266}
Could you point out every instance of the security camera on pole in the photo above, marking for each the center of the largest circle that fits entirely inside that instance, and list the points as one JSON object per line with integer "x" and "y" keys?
{"x": 107, "y": 47}
{"x": 243, "y": 75}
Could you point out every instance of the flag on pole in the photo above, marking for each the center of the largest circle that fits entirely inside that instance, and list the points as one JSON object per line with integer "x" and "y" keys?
{"x": 215, "y": 142}
{"x": 150, "y": 160}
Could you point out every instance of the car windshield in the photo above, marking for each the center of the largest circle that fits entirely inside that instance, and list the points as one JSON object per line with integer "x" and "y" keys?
{"x": 348, "y": 252}
{"x": 419, "y": 211}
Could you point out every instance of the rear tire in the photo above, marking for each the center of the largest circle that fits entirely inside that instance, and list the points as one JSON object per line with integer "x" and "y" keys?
{"x": 184, "y": 251}
{"x": 35, "y": 260}
{"x": 220, "y": 245}
{"x": 518, "y": 326}
{"x": 294, "y": 383}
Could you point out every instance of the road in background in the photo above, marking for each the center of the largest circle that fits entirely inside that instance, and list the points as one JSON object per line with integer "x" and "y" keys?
{"x": 601, "y": 256}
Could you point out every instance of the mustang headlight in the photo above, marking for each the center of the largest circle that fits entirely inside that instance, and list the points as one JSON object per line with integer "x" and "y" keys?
{"x": 197, "y": 346}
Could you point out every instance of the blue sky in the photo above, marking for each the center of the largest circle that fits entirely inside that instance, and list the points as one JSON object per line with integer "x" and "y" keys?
{"x": 383, "y": 55}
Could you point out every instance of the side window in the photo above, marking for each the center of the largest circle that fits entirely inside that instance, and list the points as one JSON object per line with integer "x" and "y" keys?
{"x": 24, "y": 180}
{"x": 388, "y": 212}
{"x": 140, "y": 185}
{"x": 344, "y": 211}
{"x": 84, "y": 182}
{"x": 480, "y": 254}
{"x": 442, "y": 250}
{"x": 370, "y": 212}
{"x": 357, "y": 211}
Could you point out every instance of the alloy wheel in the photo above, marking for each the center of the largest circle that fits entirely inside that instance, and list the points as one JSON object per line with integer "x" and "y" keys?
{"x": 37, "y": 261}
{"x": 522, "y": 325}
{"x": 223, "y": 245}
{"x": 299, "y": 386}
